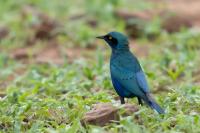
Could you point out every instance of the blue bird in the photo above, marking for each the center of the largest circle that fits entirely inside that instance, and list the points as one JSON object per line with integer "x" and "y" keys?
{"x": 127, "y": 76}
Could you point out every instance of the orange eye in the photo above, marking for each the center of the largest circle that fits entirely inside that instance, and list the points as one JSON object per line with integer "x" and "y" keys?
{"x": 110, "y": 37}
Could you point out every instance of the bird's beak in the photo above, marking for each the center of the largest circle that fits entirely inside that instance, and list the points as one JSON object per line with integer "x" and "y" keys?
{"x": 100, "y": 37}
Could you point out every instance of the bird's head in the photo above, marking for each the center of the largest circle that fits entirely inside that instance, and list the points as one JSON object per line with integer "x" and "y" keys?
{"x": 116, "y": 40}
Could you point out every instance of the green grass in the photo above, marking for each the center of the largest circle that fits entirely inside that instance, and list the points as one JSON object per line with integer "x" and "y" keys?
{"x": 54, "y": 98}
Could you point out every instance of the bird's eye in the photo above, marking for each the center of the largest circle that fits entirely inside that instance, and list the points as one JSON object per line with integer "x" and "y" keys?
{"x": 111, "y": 39}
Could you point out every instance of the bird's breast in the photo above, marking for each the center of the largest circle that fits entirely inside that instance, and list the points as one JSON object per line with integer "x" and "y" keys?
{"x": 121, "y": 72}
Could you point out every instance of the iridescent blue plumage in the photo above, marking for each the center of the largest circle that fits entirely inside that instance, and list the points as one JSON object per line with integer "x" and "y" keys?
{"x": 127, "y": 75}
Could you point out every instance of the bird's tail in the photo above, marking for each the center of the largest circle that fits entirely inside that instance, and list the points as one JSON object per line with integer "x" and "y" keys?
{"x": 152, "y": 103}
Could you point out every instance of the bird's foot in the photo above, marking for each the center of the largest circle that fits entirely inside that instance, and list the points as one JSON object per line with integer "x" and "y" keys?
{"x": 140, "y": 101}
{"x": 122, "y": 100}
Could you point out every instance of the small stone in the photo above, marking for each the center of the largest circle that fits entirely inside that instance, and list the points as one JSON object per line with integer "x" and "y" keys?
{"x": 2, "y": 95}
{"x": 129, "y": 109}
{"x": 104, "y": 113}
{"x": 101, "y": 114}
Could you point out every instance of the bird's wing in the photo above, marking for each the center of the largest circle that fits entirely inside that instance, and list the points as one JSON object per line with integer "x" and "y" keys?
{"x": 127, "y": 82}
{"x": 128, "y": 73}
{"x": 126, "y": 66}
{"x": 142, "y": 82}
{"x": 119, "y": 88}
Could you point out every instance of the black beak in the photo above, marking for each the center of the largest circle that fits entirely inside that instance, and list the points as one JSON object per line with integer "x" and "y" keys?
{"x": 100, "y": 37}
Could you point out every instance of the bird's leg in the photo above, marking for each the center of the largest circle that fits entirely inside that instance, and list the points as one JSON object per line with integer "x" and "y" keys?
{"x": 140, "y": 101}
{"x": 122, "y": 100}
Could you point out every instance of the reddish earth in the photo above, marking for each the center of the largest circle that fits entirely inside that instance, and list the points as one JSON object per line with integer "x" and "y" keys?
{"x": 45, "y": 28}
{"x": 5, "y": 82}
{"x": 173, "y": 14}
{"x": 196, "y": 77}
{"x": 139, "y": 49}
{"x": 3, "y": 32}
{"x": 21, "y": 53}
{"x": 50, "y": 53}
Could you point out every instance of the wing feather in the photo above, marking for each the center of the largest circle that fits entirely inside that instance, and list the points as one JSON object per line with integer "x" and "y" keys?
{"x": 142, "y": 82}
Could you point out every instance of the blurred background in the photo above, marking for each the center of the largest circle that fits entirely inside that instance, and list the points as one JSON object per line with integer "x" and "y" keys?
{"x": 48, "y": 51}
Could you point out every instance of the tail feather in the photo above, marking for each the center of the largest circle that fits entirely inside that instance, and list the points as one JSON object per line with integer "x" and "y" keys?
{"x": 155, "y": 106}
{"x": 152, "y": 103}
